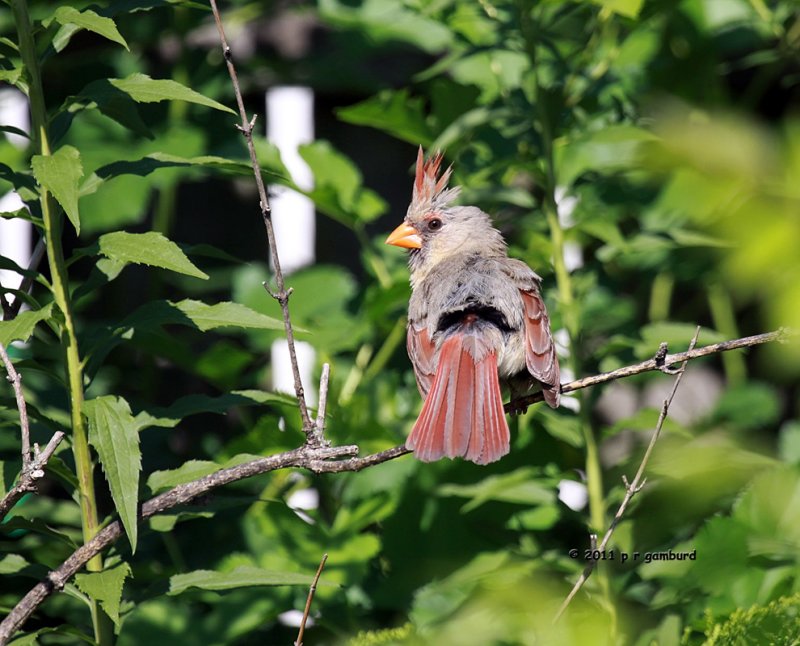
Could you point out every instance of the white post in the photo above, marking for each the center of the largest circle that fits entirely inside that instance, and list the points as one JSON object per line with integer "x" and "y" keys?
{"x": 290, "y": 123}
{"x": 16, "y": 234}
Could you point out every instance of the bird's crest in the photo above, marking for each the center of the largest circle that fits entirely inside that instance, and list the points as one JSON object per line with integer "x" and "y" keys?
{"x": 430, "y": 190}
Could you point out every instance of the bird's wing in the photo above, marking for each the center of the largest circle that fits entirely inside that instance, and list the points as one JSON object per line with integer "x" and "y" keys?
{"x": 540, "y": 349}
{"x": 422, "y": 352}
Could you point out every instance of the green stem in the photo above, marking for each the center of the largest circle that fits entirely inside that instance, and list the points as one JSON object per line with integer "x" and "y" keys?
{"x": 568, "y": 303}
{"x": 60, "y": 288}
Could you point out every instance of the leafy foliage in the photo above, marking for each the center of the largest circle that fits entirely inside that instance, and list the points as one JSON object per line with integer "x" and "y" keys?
{"x": 643, "y": 157}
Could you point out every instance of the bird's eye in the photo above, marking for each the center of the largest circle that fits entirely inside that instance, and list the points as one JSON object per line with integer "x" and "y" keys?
{"x": 435, "y": 224}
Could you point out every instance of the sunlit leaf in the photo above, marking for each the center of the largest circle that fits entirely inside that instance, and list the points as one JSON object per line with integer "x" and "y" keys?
{"x": 21, "y": 327}
{"x": 147, "y": 249}
{"x": 86, "y": 19}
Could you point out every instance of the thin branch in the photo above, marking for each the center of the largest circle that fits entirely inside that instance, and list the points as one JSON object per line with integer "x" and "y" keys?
{"x": 632, "y": 488}
{"x": 30, "y": 476}
{"x": 317, "y": 436}
{"x": 661, "y": 361}
{"x": 282, "y": 294}
{"x": 16, "y": 382}
{"x": 315, "y": 459}
{"x": 311, "y": 591}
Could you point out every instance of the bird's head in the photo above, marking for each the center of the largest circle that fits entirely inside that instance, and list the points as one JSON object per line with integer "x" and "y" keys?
{"x": 434, "y": 229}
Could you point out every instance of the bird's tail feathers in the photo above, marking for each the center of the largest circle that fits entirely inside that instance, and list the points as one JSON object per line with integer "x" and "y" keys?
{"x": 463, "y": 413}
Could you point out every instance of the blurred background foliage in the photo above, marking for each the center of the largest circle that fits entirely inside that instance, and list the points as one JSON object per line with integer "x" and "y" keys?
{"x": 642, "y": 155}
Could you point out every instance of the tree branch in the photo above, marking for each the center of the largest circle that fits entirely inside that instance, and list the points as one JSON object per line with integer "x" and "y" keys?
{"x": 317, "y": 460}
{"x": 32, "y": 465}
{"x": 16, "y": 383}
{"x": 631, "y": 489}
{"x": 282, "y": 294}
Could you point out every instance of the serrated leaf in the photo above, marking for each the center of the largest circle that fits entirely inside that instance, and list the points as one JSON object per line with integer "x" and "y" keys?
{"x": 59, "y": 173}
{"x": 143, "y": 89}
{"x": 114, "y": 434}
{"x": 105, "y": 587}
{"x": 227, "y": 314}
{"x": 148, "y": 249}
{"x": 241, "y": 577}
{"x": 21, "y": 327}
{"x": 88, "y": 20}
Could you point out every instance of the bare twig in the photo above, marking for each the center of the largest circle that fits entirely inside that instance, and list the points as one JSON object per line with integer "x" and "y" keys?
{"x": 317, "y": 436}
{"x": 632, "y": 488}
{"x": 661, "y": 361}
{"x": 30, "y": 475}
{"x": 311, "y": 591}
{"x": 282, "y": 294}
{"x": 315, "y": 459}
{"x": 16, "y": 382}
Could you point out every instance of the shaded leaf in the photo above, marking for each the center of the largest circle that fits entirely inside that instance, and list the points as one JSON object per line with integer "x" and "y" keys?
{"x": 113, "y": 433}
{"x": 59, "y": 173}
{"x": 105, "y": 587}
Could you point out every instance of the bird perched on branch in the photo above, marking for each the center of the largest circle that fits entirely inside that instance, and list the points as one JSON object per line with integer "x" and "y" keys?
{"x": 475, "y": 317}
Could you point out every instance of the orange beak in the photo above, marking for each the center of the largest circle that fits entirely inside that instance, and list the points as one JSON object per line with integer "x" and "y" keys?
{"x": 405, "y": 236}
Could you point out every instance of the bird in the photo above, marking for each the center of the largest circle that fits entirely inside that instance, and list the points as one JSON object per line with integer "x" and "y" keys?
{"x": 475, "y": 317}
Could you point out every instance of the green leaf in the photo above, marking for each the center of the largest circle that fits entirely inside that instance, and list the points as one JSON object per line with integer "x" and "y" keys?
{"x": 157, "y": 161}
{"x": 147, "y": 249}
{"x": 187, "y": 472}
{"x": 114, "y": 434}
{"x": 241, "y": 577}
{"x": 789, "y": 442}
{"x": 106, "y": 587}
{"x": 227, "y": 314}
{"x": 21, "y": 327}
{"x": 749, "y": 406}
{"x": 12, "y": 563}
{"x": 627, "y": 8}
{"x": 612, "y": 149}
{"x": 143, "y": 89}
{"x": 193, "y": 404}
{"x": 338, "y": 189}
{"x": 88, "y": 20}
{"x": 520, "y": 486}
{"x": 192, "y": 470}
{"x": 59, "y": 173}
{"x": 677, "y": 336}
{"x": 393, "y": 112}
{"x": 388, "y": 20}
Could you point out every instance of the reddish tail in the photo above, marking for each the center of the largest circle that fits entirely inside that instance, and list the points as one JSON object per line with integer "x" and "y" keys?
{"x": 463, "y": 413}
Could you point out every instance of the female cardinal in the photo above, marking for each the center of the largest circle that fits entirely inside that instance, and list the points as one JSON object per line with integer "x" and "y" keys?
{"x": 475, "y": 315}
